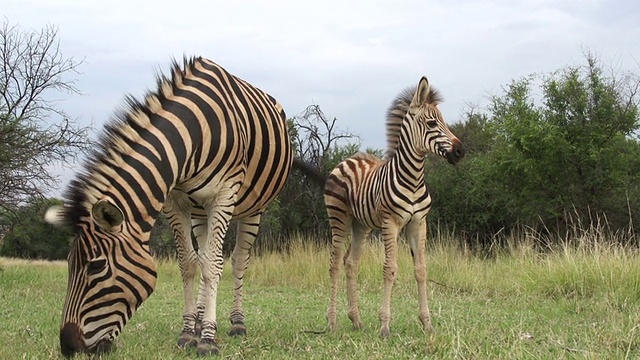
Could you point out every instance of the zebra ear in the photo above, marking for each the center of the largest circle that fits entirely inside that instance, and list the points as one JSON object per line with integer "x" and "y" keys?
{"x": 106, "y": 214}
{"x": 55, "y": 215}
{"x": 422, "y": 93}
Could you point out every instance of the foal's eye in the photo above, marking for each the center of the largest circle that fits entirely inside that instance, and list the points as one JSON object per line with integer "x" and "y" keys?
{"x": 95, "y": 266}
{"x": 432, "y": 123}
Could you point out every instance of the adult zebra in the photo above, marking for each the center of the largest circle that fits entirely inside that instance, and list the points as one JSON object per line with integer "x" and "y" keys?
{"x": 205, "y": 143}
{"x": 365, "y": 192}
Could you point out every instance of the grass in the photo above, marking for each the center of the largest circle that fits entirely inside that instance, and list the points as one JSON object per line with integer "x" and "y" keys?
{"x": 573, "y": 302}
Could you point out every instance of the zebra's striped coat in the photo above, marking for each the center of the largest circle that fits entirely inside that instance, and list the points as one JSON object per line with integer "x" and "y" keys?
{"x": 205, "y": 145}
{"x": 364, "y": 193}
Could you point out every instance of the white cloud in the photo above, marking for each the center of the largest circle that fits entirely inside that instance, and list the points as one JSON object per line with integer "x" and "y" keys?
{"x": 350, "y": 57}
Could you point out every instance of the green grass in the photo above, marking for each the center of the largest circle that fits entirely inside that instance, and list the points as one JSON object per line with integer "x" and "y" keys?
{"x": 570, "y": 303}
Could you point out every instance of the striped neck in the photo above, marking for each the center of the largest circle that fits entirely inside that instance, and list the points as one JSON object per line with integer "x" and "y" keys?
{"x": 407, "y": 163}
{"x": 134, "y": 168}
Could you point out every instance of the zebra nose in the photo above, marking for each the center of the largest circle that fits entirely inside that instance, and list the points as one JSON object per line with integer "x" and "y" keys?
{"x": 456, "y": 153}
{"x": 71, "y": 340}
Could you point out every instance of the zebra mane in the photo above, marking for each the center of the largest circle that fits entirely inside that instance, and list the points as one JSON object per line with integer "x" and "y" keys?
{"x": 124, "y": 127}
{"x": 365, "y": 156}
{"x": 398, "y": 110}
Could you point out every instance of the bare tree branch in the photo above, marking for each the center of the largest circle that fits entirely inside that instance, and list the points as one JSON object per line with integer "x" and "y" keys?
{"x": 318, "y": 135}
{"x": 321, "y": 144}
{"x": 34, "y": 132}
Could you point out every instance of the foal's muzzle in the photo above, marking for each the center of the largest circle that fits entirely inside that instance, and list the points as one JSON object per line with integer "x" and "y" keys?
{"x": 456, "y": 153}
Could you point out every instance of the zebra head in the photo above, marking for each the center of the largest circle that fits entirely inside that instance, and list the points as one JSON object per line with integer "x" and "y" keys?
{"x": 110, "y": 274}
{"x": 429, "y": 132}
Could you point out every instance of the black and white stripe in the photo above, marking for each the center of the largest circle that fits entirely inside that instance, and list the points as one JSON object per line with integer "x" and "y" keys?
{"x": 364, "y": 193}
{"x": 206, "y": 146}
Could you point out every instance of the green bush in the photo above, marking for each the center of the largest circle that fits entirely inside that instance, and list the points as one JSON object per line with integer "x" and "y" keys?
{"x": 29, "y": 237}
{"x": 545, "y": 161}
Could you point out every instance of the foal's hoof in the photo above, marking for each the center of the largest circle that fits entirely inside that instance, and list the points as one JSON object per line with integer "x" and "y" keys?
{"x": 355, "y": 321}
{"x": 332, "y": 323}
{"x": 238, "y": 330}
{"x": 428, "y": 328}
{"x": 207, "y": 347}
{"x": 187, "y": 340}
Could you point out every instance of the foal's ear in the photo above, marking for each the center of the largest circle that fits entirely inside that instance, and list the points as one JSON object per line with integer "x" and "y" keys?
{"x": 421, "y": 95}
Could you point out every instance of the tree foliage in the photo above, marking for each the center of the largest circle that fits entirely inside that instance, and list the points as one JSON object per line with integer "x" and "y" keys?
{"x": 26, "y": 235}
{"x": 35, "y": 133}
{"x": 546, "y": 161}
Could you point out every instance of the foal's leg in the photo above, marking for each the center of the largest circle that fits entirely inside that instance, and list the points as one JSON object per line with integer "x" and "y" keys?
{"x": 389, "y": 272}
{"x": 417, "y": 234}
{"x": 352, "y": 265}
{"x": 340, "y": 224}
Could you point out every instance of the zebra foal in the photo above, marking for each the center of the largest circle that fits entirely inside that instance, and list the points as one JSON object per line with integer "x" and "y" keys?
{"x": 206, "y": 147}
{"x": 364, "y": 193}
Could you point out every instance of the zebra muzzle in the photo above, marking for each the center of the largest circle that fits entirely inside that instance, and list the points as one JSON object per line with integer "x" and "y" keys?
{"x": 456, "y": 153}
{"x": 71, "y": 342}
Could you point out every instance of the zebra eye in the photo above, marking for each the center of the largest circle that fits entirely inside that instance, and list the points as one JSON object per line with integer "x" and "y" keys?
{"x": 432, "y": 123}
{"x": 95, "y": 266}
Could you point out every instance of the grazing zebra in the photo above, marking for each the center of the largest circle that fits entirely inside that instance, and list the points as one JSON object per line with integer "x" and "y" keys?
{"x": 205, "y": 145}
{"x": 365, "y": 192}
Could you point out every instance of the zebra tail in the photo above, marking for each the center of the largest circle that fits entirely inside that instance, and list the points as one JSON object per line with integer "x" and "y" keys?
{"x": 310, "y": 171}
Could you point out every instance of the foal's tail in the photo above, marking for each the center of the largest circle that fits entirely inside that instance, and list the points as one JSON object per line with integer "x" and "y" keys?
{"x": 310, "y": 171}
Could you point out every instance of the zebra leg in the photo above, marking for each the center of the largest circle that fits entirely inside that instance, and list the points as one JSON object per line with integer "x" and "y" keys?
{"x": 352, "y": 267}
{"x": 200, "y": 232}
{"x": 187, "y": 262}
{"x": 211, "y": 262}
{"x": 339, "y": 225}
{"x": 389, "y": 272}
{"x": 247, "y": 232}
{"x": 417, "y": 234}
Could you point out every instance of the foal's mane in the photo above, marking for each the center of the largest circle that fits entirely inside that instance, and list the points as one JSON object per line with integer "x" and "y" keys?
{"x": 398, "y": 110}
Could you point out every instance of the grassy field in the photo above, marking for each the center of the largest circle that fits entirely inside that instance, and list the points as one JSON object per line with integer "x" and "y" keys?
{"x": 570, "y": 303}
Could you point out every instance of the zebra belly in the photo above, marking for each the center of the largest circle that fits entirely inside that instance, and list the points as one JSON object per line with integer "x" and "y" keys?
{"x": 256, "y": 195}
{"x": 257, "y": 189}
{"x": 401, "y": 217}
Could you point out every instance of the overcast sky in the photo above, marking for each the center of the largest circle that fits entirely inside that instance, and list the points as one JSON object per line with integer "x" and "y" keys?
{"x": 349, "y": 57}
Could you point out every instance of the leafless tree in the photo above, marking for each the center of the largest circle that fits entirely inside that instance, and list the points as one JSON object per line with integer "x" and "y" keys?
{"x": 320, "y": 143}
{"x": 35, "y": 134}
{"x": 317, "y": 134}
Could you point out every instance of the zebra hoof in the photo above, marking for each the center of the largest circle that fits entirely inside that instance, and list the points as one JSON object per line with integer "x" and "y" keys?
{"x": 356, "y": 322}
{"x": 187, "y": 340}
{"x": 332, "y": 320}
{"x": 238, "y": 330}
{"x": 207, "y": 348}
{"x": 428, "y": 328}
